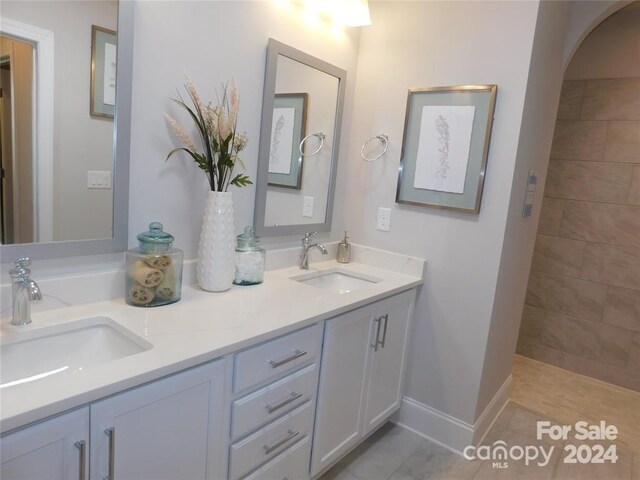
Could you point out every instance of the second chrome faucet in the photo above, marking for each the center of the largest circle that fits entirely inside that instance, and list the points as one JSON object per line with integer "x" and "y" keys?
{"x": 306, "y": 246}
{"x": 25, "y": 291}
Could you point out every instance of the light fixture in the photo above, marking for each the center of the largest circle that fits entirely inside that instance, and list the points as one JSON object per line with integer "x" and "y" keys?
{"x": 349, "y": 13}
{"x": 356, "y": 13}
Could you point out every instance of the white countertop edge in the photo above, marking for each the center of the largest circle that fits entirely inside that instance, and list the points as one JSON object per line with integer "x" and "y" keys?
{"x": 33, "y": 403}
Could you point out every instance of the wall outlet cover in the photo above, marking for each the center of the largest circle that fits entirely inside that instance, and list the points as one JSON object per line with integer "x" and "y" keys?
{"x": 384, "y": 219}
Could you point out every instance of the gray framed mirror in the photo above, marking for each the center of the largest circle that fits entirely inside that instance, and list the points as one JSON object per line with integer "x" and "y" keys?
{"x": 78, "y": 162}
{"x": 299, "y": 141}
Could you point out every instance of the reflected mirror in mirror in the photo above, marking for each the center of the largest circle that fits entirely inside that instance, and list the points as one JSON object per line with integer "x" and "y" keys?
{"x": 56, "y": 125}
{"x": 299, "y": 139}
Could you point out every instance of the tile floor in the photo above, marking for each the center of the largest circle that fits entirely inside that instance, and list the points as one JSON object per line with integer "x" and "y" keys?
{"x": 393, "y": 453}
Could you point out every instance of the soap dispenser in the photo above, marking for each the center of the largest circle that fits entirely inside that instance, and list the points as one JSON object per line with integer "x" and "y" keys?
{"x": 344, "y": 250}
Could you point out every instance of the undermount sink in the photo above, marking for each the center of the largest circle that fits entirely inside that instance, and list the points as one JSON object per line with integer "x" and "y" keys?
{"x": 35, "y": 354}
{"x": 336, "y": 280}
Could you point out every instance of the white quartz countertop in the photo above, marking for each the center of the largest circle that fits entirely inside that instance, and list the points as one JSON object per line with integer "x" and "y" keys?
{"x": 201, "y": 327}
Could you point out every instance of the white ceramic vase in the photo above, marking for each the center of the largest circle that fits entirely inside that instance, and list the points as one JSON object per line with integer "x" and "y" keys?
{"x": 216, "y": 265}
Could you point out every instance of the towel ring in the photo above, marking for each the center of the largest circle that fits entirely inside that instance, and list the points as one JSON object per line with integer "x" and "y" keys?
{"x": 320, "y": 135}
{"x": 384, "y": 138}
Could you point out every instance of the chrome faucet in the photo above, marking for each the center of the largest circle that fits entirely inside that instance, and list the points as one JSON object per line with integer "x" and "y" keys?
{"x": 24, "y": 290}
{"x": 306, "y": 246}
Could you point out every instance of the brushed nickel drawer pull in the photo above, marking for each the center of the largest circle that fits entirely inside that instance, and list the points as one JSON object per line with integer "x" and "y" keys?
{"x": 376, "y": 342}
{"x": 292, "y": 397}
{"x": 384, "y": 332}
{"x": 290, "y": 436}
{"x": 82, "y": 447}
{"x": 111, "y": 432}
{"x": 279, "y": 363}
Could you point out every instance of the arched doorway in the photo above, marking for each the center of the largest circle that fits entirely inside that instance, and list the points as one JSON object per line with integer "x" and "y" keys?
{"x": 582, "y": 309}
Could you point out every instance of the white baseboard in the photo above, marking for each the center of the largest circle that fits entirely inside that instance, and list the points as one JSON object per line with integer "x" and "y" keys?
{"x": 489, "y": 415}
{"x": 448, "y": 431}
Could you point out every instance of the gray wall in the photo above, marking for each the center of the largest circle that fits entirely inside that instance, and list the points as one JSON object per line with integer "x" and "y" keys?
{"x": 427, "y": 44}
{"x": 211, "y": 41}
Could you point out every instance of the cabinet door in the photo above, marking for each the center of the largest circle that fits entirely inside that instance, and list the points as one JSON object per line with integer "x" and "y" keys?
{"x": 54, "y": 449}
{"x": 169, "y": 429}
{"x": 386, "y": 364}
{"x": 342, "y": 373}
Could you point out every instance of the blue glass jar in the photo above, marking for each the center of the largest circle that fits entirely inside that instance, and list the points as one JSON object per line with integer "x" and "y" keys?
{"x": 154, "y": 271}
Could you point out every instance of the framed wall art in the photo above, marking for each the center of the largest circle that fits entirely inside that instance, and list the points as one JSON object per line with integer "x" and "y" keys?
{"x": 103, "y": 72}
{"x": 288, "y": 128}
{"x": 445, "y": 146}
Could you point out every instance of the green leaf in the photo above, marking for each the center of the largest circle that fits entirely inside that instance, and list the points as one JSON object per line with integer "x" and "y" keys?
{"x": 197, "y": 157}
{"x": 241, "y": 180}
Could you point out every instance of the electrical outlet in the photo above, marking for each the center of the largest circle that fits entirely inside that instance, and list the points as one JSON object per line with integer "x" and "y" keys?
{"x": 98, "y": 179}
{"x": 307, "y": 207}
{"x": 384, "y": 219}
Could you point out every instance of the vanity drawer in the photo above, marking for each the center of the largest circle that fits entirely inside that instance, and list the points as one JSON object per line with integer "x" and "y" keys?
{"x": 292, "y": 464}
{"x": 272, "y": 401}
{"x": 276, "y": 357}
{"x": 269, "y": 441}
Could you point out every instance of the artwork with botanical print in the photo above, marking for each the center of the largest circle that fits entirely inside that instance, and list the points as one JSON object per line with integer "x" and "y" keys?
{"x": 443, "y": 148}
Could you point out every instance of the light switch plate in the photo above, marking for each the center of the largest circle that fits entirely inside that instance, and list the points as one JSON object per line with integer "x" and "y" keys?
{"x": 532, "y": 181}
{"x": 384, "y": 219}
{"x": 98, "y": 179}
{"x": 307, "y": 207}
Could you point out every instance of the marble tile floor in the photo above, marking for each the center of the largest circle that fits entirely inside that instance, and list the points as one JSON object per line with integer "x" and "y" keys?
{"x": 394, "y": 453}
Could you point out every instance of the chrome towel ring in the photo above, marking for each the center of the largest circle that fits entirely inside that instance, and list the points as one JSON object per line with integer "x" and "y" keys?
{"x": 384, "y": 139}
{"x": 321, "y": 137}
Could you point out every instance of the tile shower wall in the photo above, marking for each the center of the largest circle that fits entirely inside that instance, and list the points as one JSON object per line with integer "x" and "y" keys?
{"x": 582, "y": 308}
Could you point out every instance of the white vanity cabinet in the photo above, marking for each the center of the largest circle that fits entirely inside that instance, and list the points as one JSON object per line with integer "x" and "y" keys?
{"x": 172, "y": 428}
{"x": 275, "y": 386}
{"x": 55, "y": 449}
{"x": 363, "y": 362}
{"x": 286, "y": 408}
{"x": 169, "y": 429}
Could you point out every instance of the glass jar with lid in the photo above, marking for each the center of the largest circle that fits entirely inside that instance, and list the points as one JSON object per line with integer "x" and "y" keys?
{"x": 154, "y": 271}
{"x": 250, "y": 258}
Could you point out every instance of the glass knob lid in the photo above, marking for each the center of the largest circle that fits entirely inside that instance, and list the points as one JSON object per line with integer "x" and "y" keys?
{"x": 155, "y": 238}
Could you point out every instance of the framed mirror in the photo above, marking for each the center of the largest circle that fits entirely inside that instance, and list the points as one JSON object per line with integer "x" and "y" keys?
{"x": 65, "y": 184}
{"x": 299, "y": 139}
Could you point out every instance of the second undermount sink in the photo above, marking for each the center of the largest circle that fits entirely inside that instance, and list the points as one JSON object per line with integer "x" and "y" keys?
{"x": 336, "y": 280}
{"x": 35, "y": 354}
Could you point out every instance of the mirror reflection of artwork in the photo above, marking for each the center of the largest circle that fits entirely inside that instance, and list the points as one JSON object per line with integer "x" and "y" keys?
{"x": 109, "y": 74}
{"x": 281, "y": 140}
{"x": 288, "y": 128}
{"x": 443, "y": 148}
{"x": 103, "y": 72}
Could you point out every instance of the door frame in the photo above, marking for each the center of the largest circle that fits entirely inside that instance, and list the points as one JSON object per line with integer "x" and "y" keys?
{"x": 42, "y": 120}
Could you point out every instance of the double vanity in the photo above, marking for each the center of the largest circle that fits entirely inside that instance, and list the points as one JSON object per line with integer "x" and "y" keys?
{"x": 278, "y": 380}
